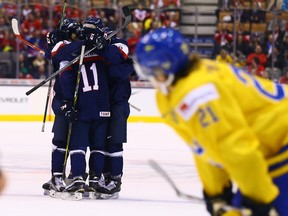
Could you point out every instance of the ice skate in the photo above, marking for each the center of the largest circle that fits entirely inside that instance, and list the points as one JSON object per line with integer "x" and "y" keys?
{"x": 111, "y": 189}
{"x": 47, "y": 186}
{"x": 75, "y": 190}
{"x": 54, "y": 186}
{"x": 95, "y": 185}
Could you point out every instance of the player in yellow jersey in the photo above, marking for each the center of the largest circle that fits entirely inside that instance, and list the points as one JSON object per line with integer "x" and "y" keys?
{"x": 236, "y": 124}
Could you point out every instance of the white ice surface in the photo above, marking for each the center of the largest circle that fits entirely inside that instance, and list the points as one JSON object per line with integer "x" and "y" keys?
{"x": 25, "y": 159}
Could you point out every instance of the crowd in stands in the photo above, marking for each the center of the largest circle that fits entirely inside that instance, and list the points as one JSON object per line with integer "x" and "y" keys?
{"x": 37, "y": 18}
{"x": 262, "y": 51}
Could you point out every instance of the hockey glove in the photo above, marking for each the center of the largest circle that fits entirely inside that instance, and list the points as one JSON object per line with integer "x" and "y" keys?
{"x": 216, "y": 205}
{"x": 94, "y": 40}
{"x": 258, "y": 209}
{"x": 70, "y": 113}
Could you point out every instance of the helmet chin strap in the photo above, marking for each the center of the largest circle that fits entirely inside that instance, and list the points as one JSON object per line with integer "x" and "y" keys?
{"x": 162, "y": 86}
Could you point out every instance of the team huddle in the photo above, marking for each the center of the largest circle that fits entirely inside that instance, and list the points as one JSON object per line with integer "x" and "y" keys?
{"x": 91, "y": 108}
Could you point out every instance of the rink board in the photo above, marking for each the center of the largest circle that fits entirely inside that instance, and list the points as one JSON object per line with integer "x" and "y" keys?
{"x": 15, "y": 105}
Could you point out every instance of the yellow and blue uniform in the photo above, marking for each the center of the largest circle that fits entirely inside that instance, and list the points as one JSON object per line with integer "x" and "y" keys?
{"x": 228, "y": 119}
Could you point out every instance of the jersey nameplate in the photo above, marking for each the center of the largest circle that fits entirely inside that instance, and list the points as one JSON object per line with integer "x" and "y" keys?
{"x": 195, "y": 98}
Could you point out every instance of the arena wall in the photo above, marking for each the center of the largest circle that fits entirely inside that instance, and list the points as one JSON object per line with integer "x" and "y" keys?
{"x": 15, "y": 105}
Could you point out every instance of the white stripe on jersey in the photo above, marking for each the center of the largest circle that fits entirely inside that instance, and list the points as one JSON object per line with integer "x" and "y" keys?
{"x": 59, "y": 44}
{"x": 123, "y": 47}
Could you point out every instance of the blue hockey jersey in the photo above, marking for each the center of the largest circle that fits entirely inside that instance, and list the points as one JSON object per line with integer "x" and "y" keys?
{"x": 93, "y": 95}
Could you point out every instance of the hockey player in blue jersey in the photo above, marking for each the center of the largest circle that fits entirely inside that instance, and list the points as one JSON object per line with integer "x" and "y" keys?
{"x": 119, "y": 70}
{"x": 68, "y": 33}
{"x": 120, "y": 91}
{"x": 89, "y": 126}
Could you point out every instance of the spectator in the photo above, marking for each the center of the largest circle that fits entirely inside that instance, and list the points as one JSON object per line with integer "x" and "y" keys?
{"x": 275, "y": 75}
{"x": 10, "y": 9}
{"x": 169, "y": 3}
{"x": 222, "y": 38}
{"x": 240, "y": 61}
{"x": 30, "y": 24}
{"x": 241, "y": 45}
{"x": 280, "y": 21}
{"x": 133, "y": 40}
{"x": 40, "y": 72}
{"x": 256, "y": 39}
{"x": 170, "y": 19}
{"x": 148, "y": 22}
{"x": 24, "y": 67}
{"x": 256, "y": 14}
{"x": 139, "y": 14}
{"x": 277, "y": 59}
{"x": 284, "y": 79}
{"x": 242, "y": 14}
{"x": 8, "y": 42}
{"x": 255, "y": 67}
{"x": 224, "y": 56}
{"x": 259, "y": 54}
{"x": 38, "y": 66}
{"x": 266, "y": 73}
{"x": 269, "y": 45}
{"x": 241, "y": 29}
{"x": 26, "y": 11}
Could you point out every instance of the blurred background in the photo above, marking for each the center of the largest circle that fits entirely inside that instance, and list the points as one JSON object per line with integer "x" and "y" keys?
{"x": 250, "y": 34}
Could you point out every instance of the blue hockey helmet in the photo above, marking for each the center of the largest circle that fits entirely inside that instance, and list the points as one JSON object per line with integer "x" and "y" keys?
{"x": 92, "y": 25}
{"x": 93, "y": 22}
{"x": 160, "y": 54}
{"x": 165, "y": 49}
{"x": 70, "y": 28}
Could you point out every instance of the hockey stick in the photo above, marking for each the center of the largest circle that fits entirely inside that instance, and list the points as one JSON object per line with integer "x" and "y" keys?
{"x": 134, "y": 107}
{"x": 164, "y": 174}
{"x": 16, "y": 32}
{"x": 50, "y": 82}
{"x": 75, "y": 98}
{"x": 127, "y": 14}
{"x": 46, "y": 105}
